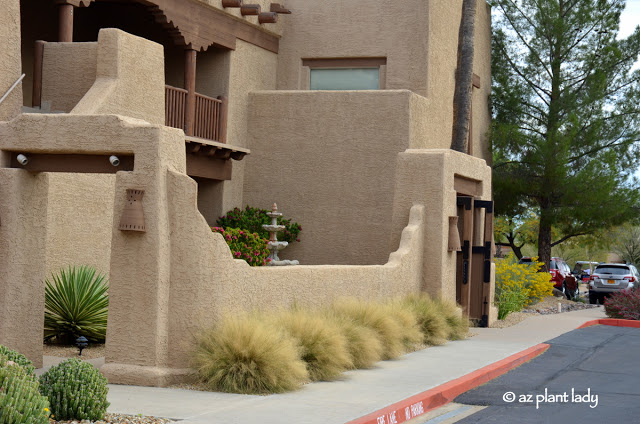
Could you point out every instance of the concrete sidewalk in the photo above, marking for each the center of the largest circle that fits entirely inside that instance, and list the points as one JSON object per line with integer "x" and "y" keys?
{"x": 359, "y": 392}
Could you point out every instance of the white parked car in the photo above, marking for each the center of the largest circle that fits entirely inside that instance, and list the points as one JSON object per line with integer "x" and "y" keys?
{"x": 611, "y": 278}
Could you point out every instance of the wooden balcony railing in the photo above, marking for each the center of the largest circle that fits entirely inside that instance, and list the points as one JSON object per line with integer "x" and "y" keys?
{"x": 209, "y": 118}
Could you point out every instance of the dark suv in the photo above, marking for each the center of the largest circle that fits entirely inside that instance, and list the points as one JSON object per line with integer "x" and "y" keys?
{"x": 611, "y": 278}
{"x": 561, "y": 276}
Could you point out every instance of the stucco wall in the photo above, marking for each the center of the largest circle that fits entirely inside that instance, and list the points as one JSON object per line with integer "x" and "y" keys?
{"x": 251, "y": 69}
{"x": 79, "y": 217}
{"x": 10, "y": 61}
{"x": 130, "y": 78}
{"x": 426, "y": 176}
{"x": 68, "y": 72}
{"x": 328, "y": 160}
{"x": 367, "y": 28}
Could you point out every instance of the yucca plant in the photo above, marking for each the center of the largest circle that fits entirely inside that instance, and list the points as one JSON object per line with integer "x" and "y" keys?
{"x": 76, "y": 304}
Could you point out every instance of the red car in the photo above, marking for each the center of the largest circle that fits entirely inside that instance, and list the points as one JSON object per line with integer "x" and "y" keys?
{"x": 561, "y": 276}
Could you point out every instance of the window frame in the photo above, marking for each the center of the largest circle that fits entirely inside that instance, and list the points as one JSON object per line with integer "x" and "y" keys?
{"x": 343, "y": 63}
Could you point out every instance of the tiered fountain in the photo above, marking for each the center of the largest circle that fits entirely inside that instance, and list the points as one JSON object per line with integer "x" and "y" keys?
{"x": 274, "y": 245}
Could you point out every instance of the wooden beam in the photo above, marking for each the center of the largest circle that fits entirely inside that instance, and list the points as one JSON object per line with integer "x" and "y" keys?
{"x": 250, "y": 9}
{"x": 190, "y": 86}
{"x": 65, "y": 22}
{"x": 268, "y": 18}
{"x": 38, "y": 57}
{"x": 466, "y": 186}
{"x": 467, "y": 244}
{"x": 88, "y": 164}
{"x": 202, "y": 25}
{"x": 223, "y": 118}
{"x": 207, "y": 167}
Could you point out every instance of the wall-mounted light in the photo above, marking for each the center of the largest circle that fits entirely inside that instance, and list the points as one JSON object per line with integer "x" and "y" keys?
{"x": 22, "y": 159}
{"x": 132, "y": 218}
{"x": 114, "y": 160}
{"x": 454, "y": 235}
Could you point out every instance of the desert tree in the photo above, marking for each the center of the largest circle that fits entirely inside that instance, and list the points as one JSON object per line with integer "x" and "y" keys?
{"x": 566, "y": 115}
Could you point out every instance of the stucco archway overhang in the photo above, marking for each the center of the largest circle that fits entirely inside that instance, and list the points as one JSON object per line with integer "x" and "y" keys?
{"x": 199, "y": 26}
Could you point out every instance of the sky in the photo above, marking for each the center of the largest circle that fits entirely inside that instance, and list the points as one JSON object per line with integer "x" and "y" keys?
{"x": 630, "y": 18}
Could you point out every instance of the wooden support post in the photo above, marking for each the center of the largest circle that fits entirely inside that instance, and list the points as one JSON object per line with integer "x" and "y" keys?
{"x": 65, "y": 23}
{"x": 467, "y": 247}
{"x": 190, "y": 86}
{"x": 38, "y": 55}
{"x": 222, "y": 119}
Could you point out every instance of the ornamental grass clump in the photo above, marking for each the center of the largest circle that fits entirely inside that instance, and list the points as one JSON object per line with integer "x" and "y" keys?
{"x": 623, "y": 305}
{"x": 252, "y": 219}
{"x": 243, "y": 354}
{"x": 18, "y": 358}
{"x": 76, "y": 304}
{"x": 76, "y": 391}
{"x": 245, "y": 245}
{"x": 458, "y": 324}
{"x": 323, "y": 345}
{"x": 376, "y": 316}
{"x": 410, "y": 334}
{"x": 363, "y": 343}
{"x": 431, "y": 322}
{"x": 20, "y": 400}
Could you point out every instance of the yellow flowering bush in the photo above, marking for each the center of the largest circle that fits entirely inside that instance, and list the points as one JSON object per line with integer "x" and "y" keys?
{"x": 518, "y": 285}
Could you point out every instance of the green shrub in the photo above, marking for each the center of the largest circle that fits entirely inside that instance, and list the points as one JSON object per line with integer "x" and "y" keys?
{"x": 245, "y": 245}
{"x": 377, "y": 317}
{"x": 76, "y": 304}
{"x": 76, "y": 391}
{"x": 432, "y": 323}
{"x": 20, "y": 401}
{"x": 243, "y": 354}
{"x": 323, "y": 345}
{"x": 18, "y": 358}
{"x": 252, "y": 220}
{"x": 458, "y": 324}
{"x": 363, "y": 343}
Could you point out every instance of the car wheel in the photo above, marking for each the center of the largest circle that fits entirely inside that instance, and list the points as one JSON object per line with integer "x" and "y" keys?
{"x": 593, "y": 298}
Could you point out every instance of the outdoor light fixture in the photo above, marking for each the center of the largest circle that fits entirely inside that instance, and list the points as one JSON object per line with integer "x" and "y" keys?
{"x": 115, "y": 160}
{"x": 22, "y": 159}
{"x": 454, "y": 235}
{"x": 132, "y": 218}
{"x": 81, "y": 342}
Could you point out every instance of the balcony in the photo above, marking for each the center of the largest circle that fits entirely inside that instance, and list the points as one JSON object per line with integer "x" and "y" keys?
{"x": 208, "y": 120}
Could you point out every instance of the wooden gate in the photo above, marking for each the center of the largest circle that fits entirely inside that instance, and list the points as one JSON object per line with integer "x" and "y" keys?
{"x": 473, "y": 276}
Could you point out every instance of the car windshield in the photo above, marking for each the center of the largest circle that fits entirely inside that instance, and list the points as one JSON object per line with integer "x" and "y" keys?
{"x": 553, "y": 265}
{"x": 613, "y": 270}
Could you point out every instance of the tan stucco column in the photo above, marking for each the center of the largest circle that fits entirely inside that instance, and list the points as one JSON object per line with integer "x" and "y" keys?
{"x": 22, "y": 262}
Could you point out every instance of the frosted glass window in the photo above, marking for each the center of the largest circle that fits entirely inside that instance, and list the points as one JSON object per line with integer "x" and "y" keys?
{"x": 345, "y": 79}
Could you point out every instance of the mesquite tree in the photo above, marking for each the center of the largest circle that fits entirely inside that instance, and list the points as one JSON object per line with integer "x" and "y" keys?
{"x": 566, "y": 115}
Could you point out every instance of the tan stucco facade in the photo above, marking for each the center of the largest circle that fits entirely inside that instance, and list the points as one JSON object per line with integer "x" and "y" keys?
{"x": 368, "y": 174}
{"x": 10, "y": 65}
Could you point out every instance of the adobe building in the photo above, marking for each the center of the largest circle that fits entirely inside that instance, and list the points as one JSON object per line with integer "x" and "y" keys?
{"x": 338, "y": 111}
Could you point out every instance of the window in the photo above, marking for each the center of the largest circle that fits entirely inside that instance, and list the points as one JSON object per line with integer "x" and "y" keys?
{"x": 345, "y": 79}
{"x": 346, "y": 73}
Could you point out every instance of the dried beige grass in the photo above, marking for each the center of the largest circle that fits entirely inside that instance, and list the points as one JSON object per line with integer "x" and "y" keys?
{"x": 245, "y": 355}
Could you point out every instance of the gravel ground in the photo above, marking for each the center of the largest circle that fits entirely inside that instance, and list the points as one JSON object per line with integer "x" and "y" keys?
{"x": 119, "y": 419}
{"x": 548, "y": 305}
{"x": 90, "y": 352}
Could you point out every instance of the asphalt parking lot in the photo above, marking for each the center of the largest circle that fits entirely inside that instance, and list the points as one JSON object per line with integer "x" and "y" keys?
{"x": 589, "y": 375}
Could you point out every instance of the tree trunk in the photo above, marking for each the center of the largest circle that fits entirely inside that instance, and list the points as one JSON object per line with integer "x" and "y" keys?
{"x": 464, "y": 78}
{"x": 544, "y": 242}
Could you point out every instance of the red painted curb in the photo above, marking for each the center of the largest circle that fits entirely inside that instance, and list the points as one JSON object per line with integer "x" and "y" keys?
{"x": 419, "y": 404}
{"x": 614, "y": 322}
